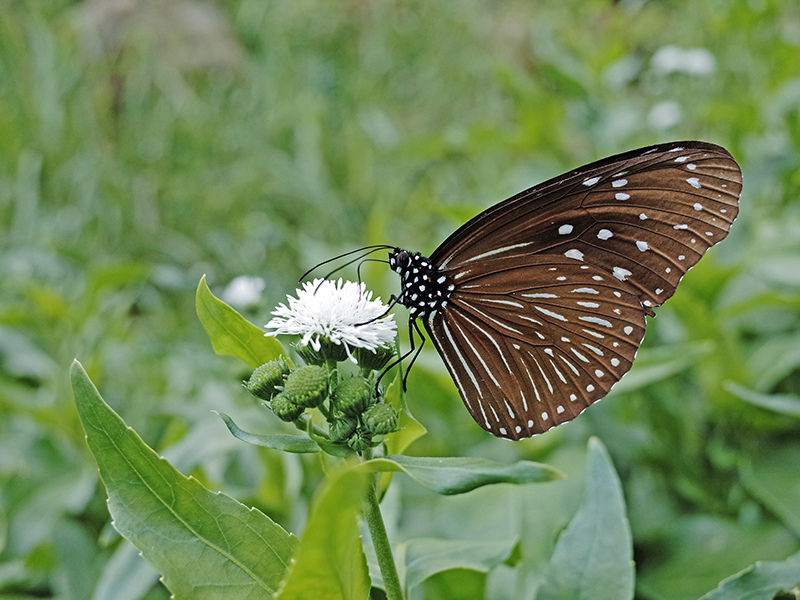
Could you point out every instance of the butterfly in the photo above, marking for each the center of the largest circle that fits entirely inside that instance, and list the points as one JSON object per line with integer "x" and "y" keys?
{"x": 537, "y": 305}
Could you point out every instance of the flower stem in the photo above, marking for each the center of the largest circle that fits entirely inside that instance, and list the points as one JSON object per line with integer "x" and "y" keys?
{"x": 380, "y": 541}
{"x": 303, "y": 423}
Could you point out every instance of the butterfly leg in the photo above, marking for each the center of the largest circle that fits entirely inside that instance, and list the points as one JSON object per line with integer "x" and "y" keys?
{"x": 412, "y": 327}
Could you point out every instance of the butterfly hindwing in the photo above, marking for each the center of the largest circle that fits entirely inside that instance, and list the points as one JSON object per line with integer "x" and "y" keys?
{"x": 526, "y": 356}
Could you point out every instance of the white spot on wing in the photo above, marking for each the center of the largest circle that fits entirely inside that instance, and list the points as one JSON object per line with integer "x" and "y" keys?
{"x": 642, "y": 246}
{"x": 505, "y": 302}
{"x": 550, "y": 313}
{"x": 621, "y": 273}
{"x": 604, "y": 234}
{"x": 491, "y": 253}
{"x": 621, "y": 196}
{"x": 596, "y": 320}
{"x": 574, "y": 253}
{"x": 539, "y": 295}
{"x": 591, "y": 181}
{"x": 698, "y": 206}
{"x": 594, "y": 333}
{"x": 579, "y": 355}
{"x": 565, "y": 229}
{"x": 593, "y": 349}
{"x": 694, "y": 182}
{"x": 619, "y": 182}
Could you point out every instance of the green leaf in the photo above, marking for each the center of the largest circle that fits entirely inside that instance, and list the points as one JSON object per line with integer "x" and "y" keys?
{"x": 763, "y": 474}
{"x": 207, "y": 545}
{"x": 126, "y": 575}
{"x": 761, "y": 581}
{"x": 424, "y": 557}
{"x": 409, "y": 429}
{"x": 787, "y": 404}
{"x": 276, "y": 441}
{"x": 593, "y": 558}
{"x": 330, "y": 562}
{"x": 231, "y": 334}
{"x": 458, "y": 475}
{"x": 661, "y": 363}
{"x": 698, "y": 551}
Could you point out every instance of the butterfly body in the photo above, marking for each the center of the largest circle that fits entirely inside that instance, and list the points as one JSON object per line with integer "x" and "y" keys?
{"x": 538, "y": 304}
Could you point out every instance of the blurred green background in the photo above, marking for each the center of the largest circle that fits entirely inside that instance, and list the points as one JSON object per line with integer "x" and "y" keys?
{"x": 144, "y": 143}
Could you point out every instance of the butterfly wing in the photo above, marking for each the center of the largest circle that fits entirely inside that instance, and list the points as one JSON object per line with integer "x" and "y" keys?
{"x": 645, "y": 217}
{"x": 527, "y": 356}
{"x": 552, "y": 285}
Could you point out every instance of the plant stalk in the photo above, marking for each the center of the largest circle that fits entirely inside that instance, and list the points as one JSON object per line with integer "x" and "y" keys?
{"x": 380, "y": 541}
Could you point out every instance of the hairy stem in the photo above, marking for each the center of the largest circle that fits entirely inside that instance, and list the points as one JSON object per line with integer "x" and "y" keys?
{"x": 380, "y": 541}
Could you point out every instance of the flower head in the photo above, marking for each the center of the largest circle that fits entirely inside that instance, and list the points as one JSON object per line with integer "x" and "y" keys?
{"x": 342, "y": 313}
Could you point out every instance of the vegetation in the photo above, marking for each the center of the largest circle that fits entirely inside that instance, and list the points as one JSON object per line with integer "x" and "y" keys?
{"x": 144, "y": 143}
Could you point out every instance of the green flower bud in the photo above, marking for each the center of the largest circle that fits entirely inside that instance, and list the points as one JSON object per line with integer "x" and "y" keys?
{"x": 353, "y": 396}
{"x": 373, "y": 360}
{"x": 380, "y": 419}
{"x": 284, "y": 408}
{"x": 307, "y": 386}
{"x": 266, "y": 378}
{"x": 360, "y": 441}
{"x": 342, "y": 428}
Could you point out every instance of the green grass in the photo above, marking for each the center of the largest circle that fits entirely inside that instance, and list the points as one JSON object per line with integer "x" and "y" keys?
{"x": 299, "y": 130}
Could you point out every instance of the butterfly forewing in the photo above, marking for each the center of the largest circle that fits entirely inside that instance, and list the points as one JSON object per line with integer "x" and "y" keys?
{"x": 646, "y": 217}
{"x": 527, "y": 354}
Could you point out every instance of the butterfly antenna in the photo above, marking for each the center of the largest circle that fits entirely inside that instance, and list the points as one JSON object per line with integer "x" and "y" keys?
{"x": 369, "y": 249}
{"x": 358, "y": 270}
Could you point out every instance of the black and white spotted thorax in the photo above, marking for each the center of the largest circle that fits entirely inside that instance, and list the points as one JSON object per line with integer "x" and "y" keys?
{"x": 424, "y": 289}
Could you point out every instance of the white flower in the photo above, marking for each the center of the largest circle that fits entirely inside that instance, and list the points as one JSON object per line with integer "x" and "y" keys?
{"x": 342, "y": 313}
{"x": 244, "y": 291}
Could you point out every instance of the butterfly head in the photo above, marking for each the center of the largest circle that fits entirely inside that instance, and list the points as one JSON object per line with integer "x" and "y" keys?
{"x": 425, "y": 289}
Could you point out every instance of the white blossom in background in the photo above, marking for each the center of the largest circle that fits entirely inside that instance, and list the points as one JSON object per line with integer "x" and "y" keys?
{"x": 243, "y": 291}
{"x": 692, "y": 61}
{"x": 343, "y": 313}
{"x": 665, "y": 115}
